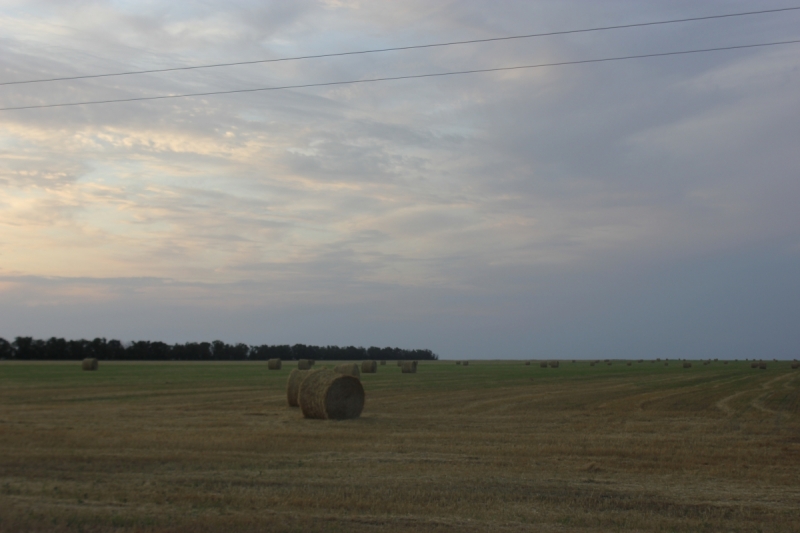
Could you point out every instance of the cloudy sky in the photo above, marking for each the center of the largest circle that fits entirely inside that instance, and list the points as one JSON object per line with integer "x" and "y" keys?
{"x": 640, "y": 208}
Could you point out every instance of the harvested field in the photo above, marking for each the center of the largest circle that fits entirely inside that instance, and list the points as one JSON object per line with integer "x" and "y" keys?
{"x": 204, "y": 447}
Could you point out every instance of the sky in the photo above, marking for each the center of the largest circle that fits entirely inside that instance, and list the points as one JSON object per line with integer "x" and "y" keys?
{"x": 631, "y": 209}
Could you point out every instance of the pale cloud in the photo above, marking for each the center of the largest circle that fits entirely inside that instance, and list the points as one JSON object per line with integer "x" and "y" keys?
{"x": 482, "y": 204}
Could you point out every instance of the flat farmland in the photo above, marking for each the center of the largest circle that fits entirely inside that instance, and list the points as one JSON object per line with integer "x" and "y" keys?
{"x": 494, "y": 446}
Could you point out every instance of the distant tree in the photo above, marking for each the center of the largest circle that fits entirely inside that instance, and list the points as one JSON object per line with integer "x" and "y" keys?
{"x": 6, "y": 351}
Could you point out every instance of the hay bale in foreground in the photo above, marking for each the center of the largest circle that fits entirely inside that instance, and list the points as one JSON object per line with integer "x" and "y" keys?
{"x": 348, "y": 369}
{"x": 304, "y": 364}
{"x": 409, "y": 367}
{"x": 369, "y": 367}
{"x": 274, "y": 364}
{"x": 89, "y": 363}
{"x": 296, "y": 377}
{"x": 687, "y": 364}
{"x": 329, "y": 395}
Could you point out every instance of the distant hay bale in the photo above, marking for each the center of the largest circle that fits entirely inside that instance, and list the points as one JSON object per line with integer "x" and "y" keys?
{"x": 296, "y": 377}
{"x": 795, "y": 365}
{"x": 458, "y": 362}
{"x": 754, "y": 364}
{"x": 383, "y": 363}
{"x": 304, "y": 364}
{"x": 274, "y": 364}
{"x": 369, "y": 367}
{"x": 348, "y": 369}
{"x": 527, "y": 363}
{"x": 762, "y": 365}
{"x": 409, "y": 367}
{"x": 89, "y": 363}
{"x": 554, "y": 364}
{"x": 629, "y": 363}
{"x": 329, "y": 395}
{"x": 465, "y": 363}
{"x": 543, "y": 364}
{"x": 687, "y": 364}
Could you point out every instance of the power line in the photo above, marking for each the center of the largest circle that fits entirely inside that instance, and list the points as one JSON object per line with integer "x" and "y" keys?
{"x": 408, "y": 77}
{"x": 398, "y": 48}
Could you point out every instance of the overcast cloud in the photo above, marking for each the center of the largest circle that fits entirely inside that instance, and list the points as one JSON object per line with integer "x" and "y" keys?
{"x": 642, "y": 208}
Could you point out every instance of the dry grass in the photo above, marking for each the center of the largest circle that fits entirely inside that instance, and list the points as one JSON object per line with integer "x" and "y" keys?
{"x": 328, "y": 395}
{"x": 202, "y": 447}
{"x": 348, "y": 369}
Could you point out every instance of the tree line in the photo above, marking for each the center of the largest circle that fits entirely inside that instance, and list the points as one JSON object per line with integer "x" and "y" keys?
{"x": 57, "y": 349}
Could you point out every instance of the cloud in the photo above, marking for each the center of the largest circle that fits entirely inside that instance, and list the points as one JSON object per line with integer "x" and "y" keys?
{"x": 487, "y": 201}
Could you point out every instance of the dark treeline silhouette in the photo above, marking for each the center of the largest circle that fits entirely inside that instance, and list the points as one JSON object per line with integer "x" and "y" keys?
{"x": 28, "y": 348}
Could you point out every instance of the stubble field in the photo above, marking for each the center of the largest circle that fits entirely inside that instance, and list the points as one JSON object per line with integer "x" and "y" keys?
{"x": 495, "y": 446}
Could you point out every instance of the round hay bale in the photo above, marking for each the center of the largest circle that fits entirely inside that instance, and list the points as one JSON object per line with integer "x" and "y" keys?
{"x": 409, "y": 367}
{"x": 89, "y": 363}
{"x": 274, "y": 364}
{"x": 369, "y": 367}
{"x": 795, "y": 365}
{"x": 554, "y": 364}
{"x": 348, "y": 369}
{"x": 687, "y": 364}
{"x": 296, "y": 377}
{"x": 543, "y": 364}
{"x": 304, "y": 364}
{"x": 762, "y": 365}
{"x": 465, "y": 363}
{"x": 527, "y": 363}
{"x": 329, "y": 395}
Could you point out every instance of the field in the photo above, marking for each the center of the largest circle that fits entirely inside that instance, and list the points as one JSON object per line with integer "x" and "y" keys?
{"x": 495, "y": 446}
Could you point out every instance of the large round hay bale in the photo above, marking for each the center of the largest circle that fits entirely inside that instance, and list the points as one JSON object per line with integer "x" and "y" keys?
{"x": 296, "y": 377}
{"x": 304, "y": 364}
{"x": 687, "y": 364}
{"x": 325, "y": 394}
{"x": 553, "y": 364}
{"x": 543, "y": 364}
{"x": 89, "y": 363}
{"x": 348, "y": 369}
{"x": 762, "y": 365}
{"x": 274, "y": 364}
{"x": 369, "y": 367}
{"x": 795, "y": 365}
{"x": 465, "y": 363}
{"x": 754, "y": 365}
{"x": 409, "y": 367}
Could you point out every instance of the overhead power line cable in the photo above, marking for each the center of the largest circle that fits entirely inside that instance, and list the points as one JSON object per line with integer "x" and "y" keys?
{"x": 399, "y": 48}
{"x": 407, "y": 77}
